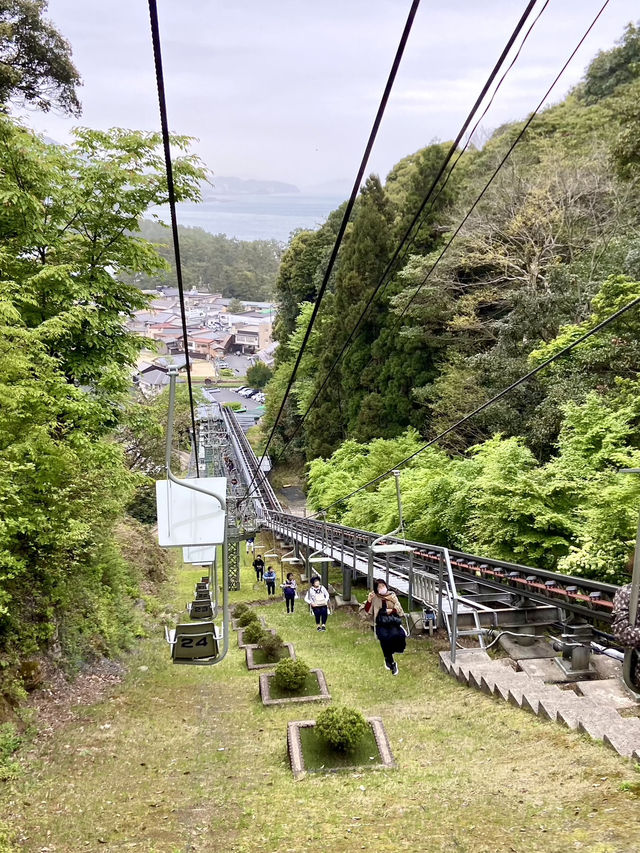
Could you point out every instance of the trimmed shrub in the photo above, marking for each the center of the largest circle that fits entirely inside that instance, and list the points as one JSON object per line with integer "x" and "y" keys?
{"x": 253, "y": 633}
{"x": 271, "y": 644}
{"x": 239, "y": 609}
{"x": 290, "y": 675}
{"x": 342, "y": 728}
{"x": 247, "y": 618}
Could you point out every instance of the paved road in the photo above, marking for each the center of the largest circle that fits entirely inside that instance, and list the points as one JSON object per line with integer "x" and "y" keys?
{"x": 228, "y": 395}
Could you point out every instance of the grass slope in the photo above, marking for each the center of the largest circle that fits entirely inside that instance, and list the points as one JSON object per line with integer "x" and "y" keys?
{"x": 187, "y": 759}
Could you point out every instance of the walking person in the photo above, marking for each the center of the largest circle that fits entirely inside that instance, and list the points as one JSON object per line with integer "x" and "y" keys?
{"x": 270, "y": 580}
{"x": 258, "y": 565}
{"x": 318, "y": 598}
{"x": 289, "y": 588}
{"x": 384, "y": 610}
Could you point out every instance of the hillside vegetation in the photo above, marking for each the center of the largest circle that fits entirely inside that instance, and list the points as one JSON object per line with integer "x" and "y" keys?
{"x": 240, "y": 269}
{"x": 551, "y": 249}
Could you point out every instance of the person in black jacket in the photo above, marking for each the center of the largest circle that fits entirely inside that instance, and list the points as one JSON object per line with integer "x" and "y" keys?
{"x": 385, "y": 612}
{"x": 258, "y": 565}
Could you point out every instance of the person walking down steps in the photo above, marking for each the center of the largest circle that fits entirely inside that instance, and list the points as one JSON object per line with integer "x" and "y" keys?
{"x": 383, "y": 609}
{"x": 318, "y": 599}
{"x": 258, "y": 565}
{"x": 289, "y": 589}
{"x": 270, "y": 580}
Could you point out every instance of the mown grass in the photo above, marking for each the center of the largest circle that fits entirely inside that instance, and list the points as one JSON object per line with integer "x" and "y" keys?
{"x": 188, "y": 759}
{"x": 318, "y": 756}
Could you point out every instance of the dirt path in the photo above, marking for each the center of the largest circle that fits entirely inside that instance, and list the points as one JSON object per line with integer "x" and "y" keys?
{"x": 187, "y": 759}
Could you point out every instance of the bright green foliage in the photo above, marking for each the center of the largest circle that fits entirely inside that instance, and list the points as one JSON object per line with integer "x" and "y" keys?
{"x": 67, "y": 224}
{"x": 68, "y": 221}
{"x": 341, "y": 727}
{"x": 290, "y": 675}
{"x": 35, "y": 60}
{"x": 253, "y": 633}
{"x": 259, "y": 374}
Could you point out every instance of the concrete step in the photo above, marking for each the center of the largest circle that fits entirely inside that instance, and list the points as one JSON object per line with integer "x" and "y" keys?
{"x": 624, "y": 738}
{"x": 530, "y": 699}
{"x": 597, "y": 721}
{"x": 563, "y": 709}
{"x": 591, "y": 714}
{"x": 515, "y": 683}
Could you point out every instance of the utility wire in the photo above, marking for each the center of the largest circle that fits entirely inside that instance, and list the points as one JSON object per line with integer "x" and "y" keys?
{"x": 166, "y": 143}
{"x": 345, "y": 220}
{"x": 421, "y": 213}
{"x": 502, "y": 162}
{"x": 456, "y": 232}
{"x": 602, "y": 325}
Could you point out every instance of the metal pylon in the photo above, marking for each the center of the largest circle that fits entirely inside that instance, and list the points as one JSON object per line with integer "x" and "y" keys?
{"x": 233, "y": 551}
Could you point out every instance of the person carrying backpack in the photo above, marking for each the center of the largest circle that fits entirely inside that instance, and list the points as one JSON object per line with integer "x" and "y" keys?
{"x": 289, "y": 588}
{"x": 384, "y": 610}
{"x": 318, "y": 599}
{"x": 258, "y": 565}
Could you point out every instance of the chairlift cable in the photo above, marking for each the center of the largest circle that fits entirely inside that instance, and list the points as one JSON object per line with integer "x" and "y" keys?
{"x": 166, "y": 143}
{"x": 481, "y": 408}
{"x": 421, "y": 213}
{"x": 532, "y": 373}
{"x": 345, "y": 220}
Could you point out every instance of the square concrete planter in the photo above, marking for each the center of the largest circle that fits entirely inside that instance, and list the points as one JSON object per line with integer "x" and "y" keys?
{"x": 265, "y": 690}
{"x": 249, "y": 652}
{"x": 296, "y": 756}
{"x": 242, "y": 644}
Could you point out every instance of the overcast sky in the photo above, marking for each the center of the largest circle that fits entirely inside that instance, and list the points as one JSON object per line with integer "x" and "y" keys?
{"x": 287, "y": 89}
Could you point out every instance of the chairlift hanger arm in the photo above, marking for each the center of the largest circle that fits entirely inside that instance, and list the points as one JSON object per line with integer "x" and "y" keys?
{"x": 173, "y": 372}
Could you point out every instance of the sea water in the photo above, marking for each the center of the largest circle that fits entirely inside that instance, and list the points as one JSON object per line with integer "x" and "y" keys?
{"x": 256, "y": 217}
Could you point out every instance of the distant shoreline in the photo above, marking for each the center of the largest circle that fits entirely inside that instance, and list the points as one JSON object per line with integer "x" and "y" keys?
{"x": 262, "y": 216}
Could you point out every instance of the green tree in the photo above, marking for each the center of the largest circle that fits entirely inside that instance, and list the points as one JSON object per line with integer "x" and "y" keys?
{"x": 236, "y": 307}
{"x": 613, "y": 68}
{"x": 259, "y": 374}
{"x": 68, "y": 223}
{"x": 35, "y": 60}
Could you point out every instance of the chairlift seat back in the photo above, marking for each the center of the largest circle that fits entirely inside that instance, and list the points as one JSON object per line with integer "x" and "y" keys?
{"x": 194, "y": 640}
{"x": 203, "y": 595}
{"x": 201, "y": 610}
{"x": 203, "y": 584}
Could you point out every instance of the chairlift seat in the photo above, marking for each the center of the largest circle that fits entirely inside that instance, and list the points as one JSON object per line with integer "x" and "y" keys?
{"x": 320, "y": 558}
{"x": 290, "y": 560}
{"x": 194, "y": 642}
{"x": 391, "y": 548}
{"x": 203, "y": 585}
{"x": 200, "y": 609}
{"x": 203, "y": 595}
{"x": 271, "y": 556}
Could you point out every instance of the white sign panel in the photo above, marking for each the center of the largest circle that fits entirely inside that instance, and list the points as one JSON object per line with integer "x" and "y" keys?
{"x": 202, "y": 556}
{"x": 187, "y": 517}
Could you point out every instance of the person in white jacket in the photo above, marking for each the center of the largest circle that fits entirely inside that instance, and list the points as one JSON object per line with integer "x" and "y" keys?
{"x": 318, "y": 598}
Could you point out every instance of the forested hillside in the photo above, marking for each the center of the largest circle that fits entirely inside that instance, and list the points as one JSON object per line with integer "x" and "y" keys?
{"x": 213, "y": 262}
{"x": 551, "y": 248}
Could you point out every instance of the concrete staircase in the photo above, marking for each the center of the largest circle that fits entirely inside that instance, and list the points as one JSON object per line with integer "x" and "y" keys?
{"x": 595, "y": 714}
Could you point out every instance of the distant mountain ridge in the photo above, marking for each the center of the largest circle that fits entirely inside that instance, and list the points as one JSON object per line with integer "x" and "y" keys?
{"x": 240, "y": 186}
